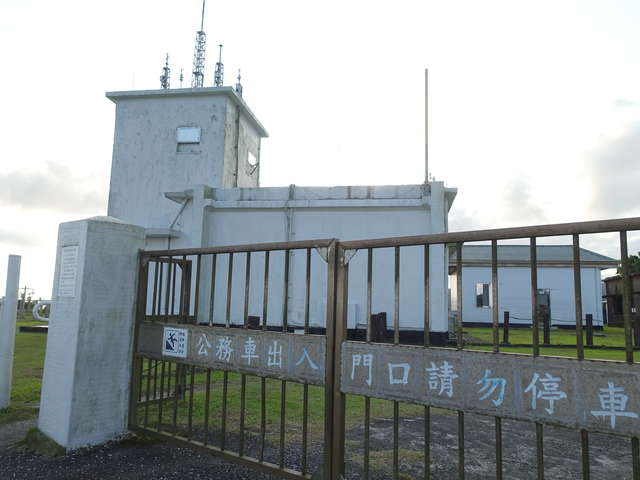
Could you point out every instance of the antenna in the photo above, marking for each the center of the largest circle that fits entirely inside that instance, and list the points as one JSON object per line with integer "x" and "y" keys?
{"x": 239, "y": 85}
{"x": 426, "y": 125}
{"x": 197, "y": 78}
{"x": 165, "y": 78}
{"x": 219, "y": 74}
{"x": 181, "y": 76}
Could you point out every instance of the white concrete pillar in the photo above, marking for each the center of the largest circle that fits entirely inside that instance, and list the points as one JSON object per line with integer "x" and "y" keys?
{"x": 85, "y": 388}
{"x": 8, "y": 311}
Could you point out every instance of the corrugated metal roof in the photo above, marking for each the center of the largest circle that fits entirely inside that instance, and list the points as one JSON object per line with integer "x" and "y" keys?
{"x": 520, "y": 253}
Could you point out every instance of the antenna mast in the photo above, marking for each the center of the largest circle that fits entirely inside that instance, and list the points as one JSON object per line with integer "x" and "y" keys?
{"x": 181, "y": 76}
{"x": 239, "y": 85}
{"x": 426, "y": 125}
{"x": 165, "y": 78}
{"x": 197, "y": 79}
{"x": 219, "y": 74}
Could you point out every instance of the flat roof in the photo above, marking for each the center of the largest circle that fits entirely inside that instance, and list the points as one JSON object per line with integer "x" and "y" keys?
{"x": 229, "y": 92}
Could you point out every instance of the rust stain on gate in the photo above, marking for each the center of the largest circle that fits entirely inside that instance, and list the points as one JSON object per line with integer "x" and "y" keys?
{"x": 195, "y": 306}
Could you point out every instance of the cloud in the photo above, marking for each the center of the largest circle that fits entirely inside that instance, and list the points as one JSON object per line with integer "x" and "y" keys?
{"x": 20, "y": 239}
{"x": 614, "y": 169}
{"x": 518, "y": 206}
{"x": 54, "y": 188}
{"x": 624, "y": 103}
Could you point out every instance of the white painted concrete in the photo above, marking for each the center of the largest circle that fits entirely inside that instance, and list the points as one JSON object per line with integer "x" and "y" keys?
{"x": 8, "y": 311}
{"x": 514, "y": 294}
{"x": 85, "y": 389}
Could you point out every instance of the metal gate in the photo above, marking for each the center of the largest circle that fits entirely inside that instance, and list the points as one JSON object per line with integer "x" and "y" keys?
{"x": 251, "y": 388}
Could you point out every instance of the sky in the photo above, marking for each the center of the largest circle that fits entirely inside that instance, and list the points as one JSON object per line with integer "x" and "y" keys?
{"x": 534, "y": 107}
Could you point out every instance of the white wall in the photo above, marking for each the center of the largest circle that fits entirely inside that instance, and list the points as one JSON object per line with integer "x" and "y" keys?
{"x": 514, "y": 293}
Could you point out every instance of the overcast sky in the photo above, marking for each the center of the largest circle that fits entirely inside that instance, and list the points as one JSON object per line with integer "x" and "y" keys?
{"x": 534, "y": 106}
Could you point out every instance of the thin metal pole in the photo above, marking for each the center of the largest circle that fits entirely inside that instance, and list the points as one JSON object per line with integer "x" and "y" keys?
{"x": 459, "y": 294}
{"x": 369, "y": 292}
{"x": 495, "y": 307}
{"x": 577, "y": 281}
{"x": 460, "y": 445}
{"x": 627, "y": 297}
{"x": 427, "y": 326}
{"x": 207, "y": 401}
{"x": 535, "y": 318}
{"x": 396, "y": 341}
{"x": 162, "y": 373}
{"x": 498, "y": 423}
{"x": 229, "y": 290}
{"x": 584, "y": 440}
{"x": 426, "y": 125}
{"x": 540, "y": 451}
{"x": 212, "y": 299}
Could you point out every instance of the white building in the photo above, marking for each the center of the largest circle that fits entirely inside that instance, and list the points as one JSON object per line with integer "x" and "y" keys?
{"x": 555, "y": 283}
{"x": 186, "y": 166}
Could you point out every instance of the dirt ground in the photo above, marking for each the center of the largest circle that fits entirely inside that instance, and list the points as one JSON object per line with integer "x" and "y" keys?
{"x": 134, "y": 459}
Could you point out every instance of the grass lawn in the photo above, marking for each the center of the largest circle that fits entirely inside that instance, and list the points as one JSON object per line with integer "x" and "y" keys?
{"x": 609, "y": 336}
{"x": 28, "y": 362}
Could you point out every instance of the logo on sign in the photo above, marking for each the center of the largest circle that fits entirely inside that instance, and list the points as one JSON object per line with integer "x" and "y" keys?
{"x": 174, "y": 342}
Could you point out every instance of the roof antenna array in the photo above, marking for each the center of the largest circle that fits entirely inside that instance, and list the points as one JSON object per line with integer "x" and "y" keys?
{"x": 197, "y": 79}
{"x": 165, "y": 78}
{"x": 219, "y": 74}
{"x": 239, "y": 85}
{"x": 181, "y": 76}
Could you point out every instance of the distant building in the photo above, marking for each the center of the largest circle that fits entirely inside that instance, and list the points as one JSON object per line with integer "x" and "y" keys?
{"x": 613, "y": 297}
{"x": 555, "y": 283}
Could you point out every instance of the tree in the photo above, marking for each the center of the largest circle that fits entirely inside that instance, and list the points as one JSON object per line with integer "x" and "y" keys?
{"x": 634, "y": 264}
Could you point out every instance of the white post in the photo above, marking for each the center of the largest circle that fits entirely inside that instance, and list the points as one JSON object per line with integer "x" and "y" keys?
{"x": 85, "y": 387}
{"x": 8, "y": 311}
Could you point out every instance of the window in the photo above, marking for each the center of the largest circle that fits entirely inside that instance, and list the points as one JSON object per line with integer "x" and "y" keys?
{"x": 188, "y": 139}
{"x": 483, "y": 299}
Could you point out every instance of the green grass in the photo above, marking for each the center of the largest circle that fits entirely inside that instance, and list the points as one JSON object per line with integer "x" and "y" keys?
{"x": 608, "y": 337}
{"x": 28, "y": 363}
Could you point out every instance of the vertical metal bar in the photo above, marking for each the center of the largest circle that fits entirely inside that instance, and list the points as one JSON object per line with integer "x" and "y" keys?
{"x": 367, "y": 434}
{"x": 140, "y": 377}
{"x": 190, "y": 414}
{"x": 229, "y": 290}
{"x": 427, "y": 326}
{"x": 635, "y": 455}
{"x": 307, "y": 292}
{"x": 184, "y": 308}
{"x": 155, "y": 380}
{"x": 396, "y": 440}
{"x": 167, "y": 294}
{"x": 589, "y": 320}
{"x": 247, "y": 283}
{"x": 535, "y": 317}
{"x": 540, "y": 451}
{"x": 584, "y": 440}
{"x": 577, "y": 282}
{"x": 173, "y": 288}
{"x": 162, "y": 374}
{"x": 396, "y": 341}
{"x": 498, "y": 423}
{"x": 459, "y": 294}
{"x": 263, "y": 416}
{"x": 369, "y": 291}
{"x": 212, "y": 297}
{"x": 223, "y": 425}
{"x": 176, "y": 395}
{"x": 460, "y": 445}
{"x": 495, "y": 306}
{"x": 283, "y": 401}
{"x": 263, "y": 380}
{"x": 169, "y": 381}
{"x": 427, "y": 443}
{"x": 627, "y": 298}
{"x": 305, "y": 425}
{"x": 265, "y": 296}
{"x": 137, "y": 361}
{"x": 337, "y": 397}
{"x": 161, "y": 274}
{"x": 243, "y": 391}
{"x": 197, "y": 294}
{"x": 207, "y": 401}
{"x": 367, "y": 400}
{"x": 331, "y": 367}
{"x": 154, "y": 304}
{"x": 243, "y": 376}
{"x": 285, "y": 300}
{"x": 396, "y": 298}
{"x": 148, "y": 392}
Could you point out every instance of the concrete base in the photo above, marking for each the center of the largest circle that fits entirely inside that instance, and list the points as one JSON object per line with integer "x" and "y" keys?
{"x": 85, "y": 388}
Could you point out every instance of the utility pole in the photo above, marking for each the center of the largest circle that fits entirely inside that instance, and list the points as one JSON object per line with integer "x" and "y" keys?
{"x": 426, "y": 125}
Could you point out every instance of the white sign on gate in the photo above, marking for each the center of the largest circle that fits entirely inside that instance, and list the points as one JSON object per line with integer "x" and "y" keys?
{"x": 174, "y": 342}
